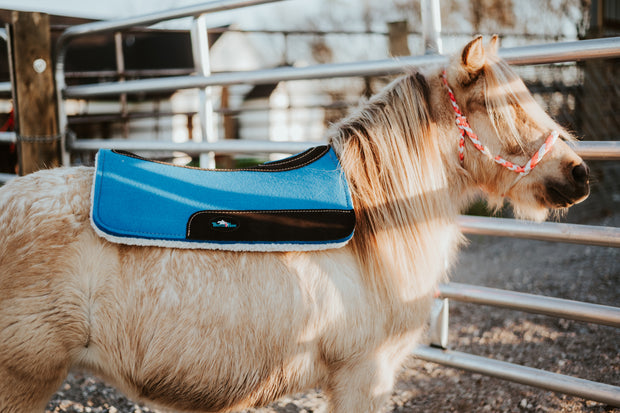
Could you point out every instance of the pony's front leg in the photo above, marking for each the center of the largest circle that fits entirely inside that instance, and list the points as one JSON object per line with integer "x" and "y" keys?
{"x": 361, "y": 386}
{"x": 364, "y": 383}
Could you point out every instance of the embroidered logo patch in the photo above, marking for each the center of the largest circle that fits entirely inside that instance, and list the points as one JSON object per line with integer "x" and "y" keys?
{"x": 225, "y": 224}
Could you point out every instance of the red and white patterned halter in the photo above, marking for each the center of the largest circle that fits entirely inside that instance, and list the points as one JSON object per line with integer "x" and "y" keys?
{"x": 463, "y": 124}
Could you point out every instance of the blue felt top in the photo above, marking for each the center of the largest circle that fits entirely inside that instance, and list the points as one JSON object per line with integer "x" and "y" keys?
{"x": 134, "y": 197}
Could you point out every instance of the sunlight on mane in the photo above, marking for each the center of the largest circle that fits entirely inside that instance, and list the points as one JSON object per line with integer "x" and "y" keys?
{"x": 508, "y": 100}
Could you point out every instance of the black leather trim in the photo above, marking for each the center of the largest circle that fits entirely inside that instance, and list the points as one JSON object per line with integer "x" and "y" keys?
{"x": 271, "y": 226}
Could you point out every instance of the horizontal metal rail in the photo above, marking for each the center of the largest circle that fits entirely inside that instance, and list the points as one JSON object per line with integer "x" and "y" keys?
{"x": 601, "y": 150}
{"x": 9, "y": 137}
{"x": 598, "y": 150}
{"x": 129, "y": 73}
{"x": 573, "y": 51}
{"x": 542, "y": 231}
{"x": 228, "y": 146}
{"x": 264, "y": 76}
{"x": 7, "y": 177}
{"x": 117, "y": 116}
{"x": 120, "y": 117}
{"x": 157, "y": 17}
{"x": 531, "y": 303}
{"x": 601, "y": 392}
{"x": 546, "y": 53}
{"x": 5, "y": 87}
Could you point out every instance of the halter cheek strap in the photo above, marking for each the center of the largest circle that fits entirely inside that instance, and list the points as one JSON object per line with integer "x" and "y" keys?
{"x": 466, "y": 131}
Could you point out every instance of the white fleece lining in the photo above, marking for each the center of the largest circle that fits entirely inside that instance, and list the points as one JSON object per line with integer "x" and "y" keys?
{"x": 206, "y": 245}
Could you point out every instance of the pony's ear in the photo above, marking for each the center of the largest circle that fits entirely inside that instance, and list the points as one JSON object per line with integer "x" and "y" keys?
{"x": 473, "y": 57}
{"x": 494, "y": 44}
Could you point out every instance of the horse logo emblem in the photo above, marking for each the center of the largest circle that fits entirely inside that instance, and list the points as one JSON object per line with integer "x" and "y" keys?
{"x": 224, "y": 224}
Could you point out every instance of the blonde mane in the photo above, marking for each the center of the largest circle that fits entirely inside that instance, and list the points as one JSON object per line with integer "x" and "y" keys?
{"x": 390, "y": 152}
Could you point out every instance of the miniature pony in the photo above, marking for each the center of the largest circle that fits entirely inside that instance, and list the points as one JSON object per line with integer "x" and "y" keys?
{"x": 196, "y": 330}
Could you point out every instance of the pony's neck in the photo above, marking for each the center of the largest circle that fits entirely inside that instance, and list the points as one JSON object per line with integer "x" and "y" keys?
{"x": 405, "y": 207}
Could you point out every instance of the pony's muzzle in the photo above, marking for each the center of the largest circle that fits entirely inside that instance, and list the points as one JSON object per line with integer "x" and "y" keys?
{"x": 575, "y": 189}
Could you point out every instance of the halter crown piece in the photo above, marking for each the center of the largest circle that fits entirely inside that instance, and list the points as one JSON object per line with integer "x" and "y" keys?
{"x": 463, "y": 124}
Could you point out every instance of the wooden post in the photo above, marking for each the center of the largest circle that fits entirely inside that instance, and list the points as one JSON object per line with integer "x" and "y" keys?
{"x": 397, "y": 34}
{"x": 34, "y": 96}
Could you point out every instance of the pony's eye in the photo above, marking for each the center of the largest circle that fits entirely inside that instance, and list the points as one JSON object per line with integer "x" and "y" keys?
{"x": 515, "y": 150}
{"x": 476, "y": 102}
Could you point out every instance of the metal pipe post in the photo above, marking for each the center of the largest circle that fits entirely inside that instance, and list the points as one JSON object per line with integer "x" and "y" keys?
{"x": 200, "y": 50}
{"x": 431, "y": 26}
{"x": 120, "y": 71}
{"x": 63, "y": 121}
{"x": 439, "y": 323}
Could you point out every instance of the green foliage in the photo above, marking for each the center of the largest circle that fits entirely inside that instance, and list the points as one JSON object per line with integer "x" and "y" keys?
{"x": 241, "y": 163}
{"x": 481, "y": 208}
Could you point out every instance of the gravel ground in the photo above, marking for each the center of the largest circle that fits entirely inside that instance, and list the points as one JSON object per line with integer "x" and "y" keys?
{"x": 583, "y": 350}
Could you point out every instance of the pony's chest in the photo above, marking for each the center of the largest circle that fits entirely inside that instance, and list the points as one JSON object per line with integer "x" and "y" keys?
{"x": 299, "y": 203}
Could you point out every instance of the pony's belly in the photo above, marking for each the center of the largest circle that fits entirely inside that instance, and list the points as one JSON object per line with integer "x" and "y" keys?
{"x": 215, "y": 369}
{"x": 231, "y": 382}
{"x": 235, "y": 333}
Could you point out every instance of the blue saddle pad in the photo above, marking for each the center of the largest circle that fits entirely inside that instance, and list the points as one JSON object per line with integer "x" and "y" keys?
{"x": 298, "y": 203}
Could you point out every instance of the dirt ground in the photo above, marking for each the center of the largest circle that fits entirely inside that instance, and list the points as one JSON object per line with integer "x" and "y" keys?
{"x": 583, "y": 350}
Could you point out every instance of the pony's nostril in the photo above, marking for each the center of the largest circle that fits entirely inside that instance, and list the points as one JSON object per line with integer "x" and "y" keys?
{"x": 581, "y": 173}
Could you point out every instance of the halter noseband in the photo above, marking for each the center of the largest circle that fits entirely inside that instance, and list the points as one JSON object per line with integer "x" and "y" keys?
{"x": 463, "y": 124}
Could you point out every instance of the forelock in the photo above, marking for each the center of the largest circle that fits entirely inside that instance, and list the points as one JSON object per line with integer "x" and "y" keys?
{"x": 509, "y": 103}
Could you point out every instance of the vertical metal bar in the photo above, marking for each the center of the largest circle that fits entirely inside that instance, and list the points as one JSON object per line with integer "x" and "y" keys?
{"x": 120, "y": 68}
{"x": 439, "y": 323}
{"x": 61, "y": 85}
{"x": 431, "y": 26}
{"x": 200, "y": 49}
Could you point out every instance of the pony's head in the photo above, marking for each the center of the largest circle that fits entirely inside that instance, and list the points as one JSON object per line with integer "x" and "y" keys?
{"x": 520, "y": 151}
